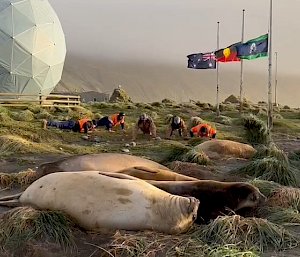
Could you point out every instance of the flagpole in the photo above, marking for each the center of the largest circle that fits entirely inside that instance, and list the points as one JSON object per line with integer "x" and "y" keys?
{"x": 276, "y": 79}
{"x": 242, "y": 66}
{"x": 218, "y": 43}
{"x": 270, "y": 105}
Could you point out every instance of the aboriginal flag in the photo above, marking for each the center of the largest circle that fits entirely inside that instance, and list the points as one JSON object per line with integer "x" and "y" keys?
{"x": 228, "y": 54}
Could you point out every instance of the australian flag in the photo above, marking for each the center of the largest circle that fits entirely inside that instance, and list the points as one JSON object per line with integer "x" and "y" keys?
{"x": 202, "y": 61}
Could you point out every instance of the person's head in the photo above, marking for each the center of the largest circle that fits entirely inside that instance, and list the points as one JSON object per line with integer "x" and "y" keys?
{"x": 203, "y": 131}
{"x": 144, "y": 117}
{"x": 121, "y": 116}
{"x": 176, "y": 120}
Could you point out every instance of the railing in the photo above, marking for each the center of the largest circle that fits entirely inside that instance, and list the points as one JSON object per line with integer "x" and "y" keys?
{"x": 12, "y": 99}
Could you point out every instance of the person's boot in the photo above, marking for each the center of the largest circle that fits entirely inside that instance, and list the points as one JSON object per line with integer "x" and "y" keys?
{"x": 44, "y": 124}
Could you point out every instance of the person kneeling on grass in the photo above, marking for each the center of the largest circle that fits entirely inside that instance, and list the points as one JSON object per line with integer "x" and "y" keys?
{"x": 82, "y": 125}
{"x": 114, "y": 120}
{"x": 146, "y": 125}
{"x": 203, "y": 130}
{"x": 176, "y": 123}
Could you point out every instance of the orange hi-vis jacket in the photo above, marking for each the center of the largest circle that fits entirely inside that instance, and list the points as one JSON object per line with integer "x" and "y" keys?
{"x": 115, "y": 121}
{"x": 210, "y": 131}
{"x": 81, "y": 123}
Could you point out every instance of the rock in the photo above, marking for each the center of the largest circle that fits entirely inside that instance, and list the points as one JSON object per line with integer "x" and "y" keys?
{"x": 85, "y": 137}
{"x": 125, "y": 150}
{"x": 158, "y": 138}
{"x": 133, "y": 144}
{"x": 127, "y": 145}
{"x": 120, "y": 96}
{"x": 97, "y": 139}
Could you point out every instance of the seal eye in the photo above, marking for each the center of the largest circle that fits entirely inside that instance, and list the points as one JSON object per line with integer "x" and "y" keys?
{"x": 253, "y": 198}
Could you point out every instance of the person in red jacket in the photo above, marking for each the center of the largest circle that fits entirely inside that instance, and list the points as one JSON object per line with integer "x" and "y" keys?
{"x": 203, "y": 130}
{"x": 114, "y": 120}
{"x": 83, "y": 125}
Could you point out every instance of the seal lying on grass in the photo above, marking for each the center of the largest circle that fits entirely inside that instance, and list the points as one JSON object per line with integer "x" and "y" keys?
{"x": 216, "y": 198}
{"x": 113, "y": 162}
{"x": 97, "y": 201}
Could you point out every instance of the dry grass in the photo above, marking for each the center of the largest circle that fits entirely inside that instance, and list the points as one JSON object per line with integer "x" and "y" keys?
{"x": 10, "y": 144}
{"x": 24, "y": 224}
{"x": 248, "y": 232}
{"x": 194, "y": 121}
{"x": 23, "y": 178}
{"x": 26, "y": 115}
{"x": 285, "y": 197}
{"x": 148, "y": 244}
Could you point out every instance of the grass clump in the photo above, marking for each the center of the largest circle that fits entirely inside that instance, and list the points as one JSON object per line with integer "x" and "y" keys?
{"x": 271, "y": 151}
{"x": 195, "y": 156}
{"x": 26, "y": 115}
{"x": 285, "y": 197}
{"x": 247, "y": 233}
{"x": 5, "y": 118}
{"x": 43, "y": 114}
{"x": 23, "y": 178}
{"x": 271, "y": 169}
{"x": 282, "y": 216}
{"x": 24, "y": 224}
{"x": 256, "y": 130}
{"x": 267, "y": 188}
{"x": 223, "y": 120}
{"x": 194, "y": 121}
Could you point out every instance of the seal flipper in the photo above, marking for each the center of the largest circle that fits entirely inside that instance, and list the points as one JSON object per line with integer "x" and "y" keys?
{"x": 117, "y": 175}
{"x": 10, "y": 197}
{"x": 146, "y": 169}
{"x": 11, "y": 203}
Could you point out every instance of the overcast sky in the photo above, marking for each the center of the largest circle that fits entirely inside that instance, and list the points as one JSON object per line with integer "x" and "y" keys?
{"x": 167, "y": 30}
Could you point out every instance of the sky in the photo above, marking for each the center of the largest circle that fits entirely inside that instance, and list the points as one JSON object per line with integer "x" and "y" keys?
{"x": 165, "y": 31}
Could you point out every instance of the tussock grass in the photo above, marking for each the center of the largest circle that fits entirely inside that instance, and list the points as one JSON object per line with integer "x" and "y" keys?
{"x": 279, "y": 215}
{"x": 35, "y": 108}
{"x": 175, "y": 151}
{"x": 256, "y": 130}
{"x": 295, "y": 156}
{"x": 24, "y": 224}
{"x": 195, "y": 156}
{"x": 155, "y": 244}
{"x": 23, "y": 178}
{"x": 196, "y": 141}
{"x": 271, "y": 151}
{"x": 267, "y": 188}
{"x": 223, "y": 120}
{"x": 26, "y": 115}
{"x": 43, "y": 114}
{"x": 168, "y": 118}
{"x": 10, "y": 144}
{"x": 248, "y": 232}
{"x": 285, "y": 197}
{"x": 271, "y": 169}
{"x": 77, "y": 113}
{"x": 5, "y": 118}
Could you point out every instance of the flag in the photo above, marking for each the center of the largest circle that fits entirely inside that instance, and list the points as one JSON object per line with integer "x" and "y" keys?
{"x": 228, "y": 54}
{"x": 254, "y": 48}
{"x": 202, "y": 61}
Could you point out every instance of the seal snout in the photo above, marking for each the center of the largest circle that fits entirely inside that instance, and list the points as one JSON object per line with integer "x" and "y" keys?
{"x": 193, "y": 207}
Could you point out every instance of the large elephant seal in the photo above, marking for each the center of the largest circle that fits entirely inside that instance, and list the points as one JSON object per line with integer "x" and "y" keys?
{"x": 216, "y": 198}
{"x": 107, "y": 162}
{"x": 219, "y": 149}
{"x": 99, "y": 201}
{"x": 155, "y": 174}
{"x": 113, "y": 162}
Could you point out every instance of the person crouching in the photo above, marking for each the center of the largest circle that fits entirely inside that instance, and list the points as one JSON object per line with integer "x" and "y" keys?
{"x": 146, "y": 125}
{"x": 177, "y": 123}
{"x": 203, "y": 130}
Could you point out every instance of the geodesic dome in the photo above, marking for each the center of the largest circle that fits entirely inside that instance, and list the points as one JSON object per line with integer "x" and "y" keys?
{"x": 32, "y": 47}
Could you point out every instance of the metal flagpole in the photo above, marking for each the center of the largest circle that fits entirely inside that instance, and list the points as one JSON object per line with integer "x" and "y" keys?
{"x": 218, "y": 43}
{"x": 242, "y": 66}
{"x": 276, "y": 79}
{"x": 270, "y": 104}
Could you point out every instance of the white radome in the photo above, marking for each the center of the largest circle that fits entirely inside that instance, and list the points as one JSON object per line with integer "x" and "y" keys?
{"x": 32, "y": 47}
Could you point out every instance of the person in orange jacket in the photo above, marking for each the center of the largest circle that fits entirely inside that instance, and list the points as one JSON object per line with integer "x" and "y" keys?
{"x": 203, "y": 130}
{"x": 114, "y": 120}
{"x": 83, "y": 125}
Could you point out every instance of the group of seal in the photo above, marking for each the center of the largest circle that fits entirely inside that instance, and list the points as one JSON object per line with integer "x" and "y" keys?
{"x": 120, "y": 191}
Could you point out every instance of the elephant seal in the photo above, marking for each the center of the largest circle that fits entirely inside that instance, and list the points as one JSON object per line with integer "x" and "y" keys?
{"x": 98, "y": 201}
{"x": 216, "y": 198}
{"x": 155, "y": 174}
{"x": 107, "y": 162}
{"x": 219, "y": 149}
